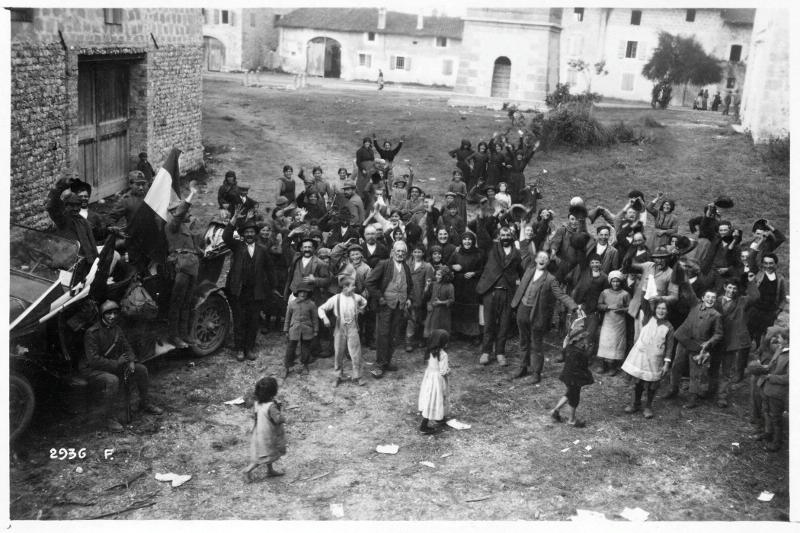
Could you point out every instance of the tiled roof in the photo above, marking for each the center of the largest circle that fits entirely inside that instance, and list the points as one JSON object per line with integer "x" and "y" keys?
{"x": 739, "y": 16}
{"x": 366, "y": 20}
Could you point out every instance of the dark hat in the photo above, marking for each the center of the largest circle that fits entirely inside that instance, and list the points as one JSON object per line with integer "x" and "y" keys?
{"x": 723, "y": 201}
{"x": 136, "y": 176}
{"x": 492, "y": 187}
{"x": 594, "y": 257}
{"x": 243, "y": 186}
{"x": 230, "y": 174}
{"x": 79, "y": 186}
{"x": 578, "y": 211}
{"x": 761, "y": 224}
{"x": 355, "y": 248}
{"x": 109, "y": 305}
{"x": 249, "y": 223}
{"x": 450, "y": 193}
{"x": 72, "y": 199}
{"x": 414, "y": 187}
{"x": 307, "y": 238}
{"x": 304, "y": 287}
{"x": 366, "y": 139}
{"x": 635, "y": 194}
{"x": 315, "y": 234}
{"x": 662, "y": 252}
{"x": 470, "y": 234}
{"x": 281, "y": 201}
{"x": 518, "y": 210}
{"x": 684, "y": 245}
{"x": 142, "y": 155}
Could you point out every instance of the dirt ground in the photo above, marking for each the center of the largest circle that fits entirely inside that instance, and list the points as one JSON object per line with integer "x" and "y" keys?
{"x": 514, "y": 462}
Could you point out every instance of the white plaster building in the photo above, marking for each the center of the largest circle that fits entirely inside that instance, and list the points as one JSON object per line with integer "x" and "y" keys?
{"x": 354, "y": 43}
{"x": 240, "y": 39}
{"x": 625, "y": 39}
{"x": 767, "y": 92}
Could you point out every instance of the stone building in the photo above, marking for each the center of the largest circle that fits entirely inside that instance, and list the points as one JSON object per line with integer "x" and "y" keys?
{"x": 240, "y": 39}
{"x": 354, "y": 43}
{"x": 625, "y": 39}
{"x": 765, "y": 98}
{"x": 508, "y": 56}
{"x": 91, "y": 88}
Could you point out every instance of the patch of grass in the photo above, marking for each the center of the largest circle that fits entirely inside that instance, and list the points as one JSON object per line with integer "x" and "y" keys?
{"x": 650, "y": 122}
{"x": 776, "y": 154}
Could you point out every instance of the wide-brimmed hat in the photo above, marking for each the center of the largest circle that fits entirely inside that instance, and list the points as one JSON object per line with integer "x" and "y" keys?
{"x": 281, "y": 201}
{"x": 249, "y": 223}
{"x": 578, "y": 211}
{"x": 136, "y": 176}
{"x": 414, "y": 187}
{"x": 348, "y": 184}
{"x": 662, "y": 252}
{"x": 243, "y": 186}
{"x": 723, "y": 201}
{"x": 304, "y": 287}
{"x": 684, "y": 245}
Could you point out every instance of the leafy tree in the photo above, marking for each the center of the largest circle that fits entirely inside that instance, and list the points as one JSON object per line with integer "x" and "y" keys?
{"x": 588, "y": 70}
{"x": 679, "y": 60}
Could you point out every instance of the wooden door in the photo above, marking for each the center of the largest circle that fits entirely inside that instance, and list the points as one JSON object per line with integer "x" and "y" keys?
{"x": 501, "y": 77}
{"x": 315, "y": 62}
{"x": 103, "y": 152}
{"x": 215, "y": 53}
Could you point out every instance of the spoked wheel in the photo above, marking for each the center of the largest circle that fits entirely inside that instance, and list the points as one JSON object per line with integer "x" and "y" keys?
{"x": 20, "y": 406}
{"x": 210, "y": 325}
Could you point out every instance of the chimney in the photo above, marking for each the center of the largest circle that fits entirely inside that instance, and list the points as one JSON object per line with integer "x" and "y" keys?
{"x": 419, "y": 21}
{"x": 381, "y": 18}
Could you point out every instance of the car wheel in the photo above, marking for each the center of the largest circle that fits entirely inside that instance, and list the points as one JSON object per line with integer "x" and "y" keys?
{"x": 22, "y": 402}
{"x": 210, "y": 325}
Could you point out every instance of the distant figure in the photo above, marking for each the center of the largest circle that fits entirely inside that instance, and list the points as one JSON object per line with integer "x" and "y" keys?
{"x": 380, "y": 80}
{"x": 145, "y": 167}
{"x": 704, "y": 105}
{"x": 727, "y": 103}
{"x": 716, "y": 102}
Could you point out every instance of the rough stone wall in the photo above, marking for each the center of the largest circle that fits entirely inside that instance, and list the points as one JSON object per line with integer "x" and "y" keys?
{"x": 38, "y": 123}
{"x": 765, "y": 108}
{"x": 165, "y": 99}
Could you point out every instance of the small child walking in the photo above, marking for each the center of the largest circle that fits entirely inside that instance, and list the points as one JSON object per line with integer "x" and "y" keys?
{"x": 459, "y": 188}
{"x": 268, "y": 440}
{"x": 346, "y": 307}
{"x": 575, "y": 374}
{"x": 434, "y": 395}
{"x": 301, "y": 327}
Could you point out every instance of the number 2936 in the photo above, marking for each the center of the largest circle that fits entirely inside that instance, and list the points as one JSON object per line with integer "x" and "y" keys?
{"x": 63, "y": 454}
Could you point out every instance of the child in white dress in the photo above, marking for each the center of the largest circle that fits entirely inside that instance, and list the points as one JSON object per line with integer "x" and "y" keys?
{"x": 434, "y": 393}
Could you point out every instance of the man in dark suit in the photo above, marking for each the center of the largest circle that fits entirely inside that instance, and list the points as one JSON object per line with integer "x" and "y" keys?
{"x": 374, "y": 250}
{"x": 64, "y": 210}
{"x": 534, "y": 300}
{"x": 499, "y": 279}
{"x": 609, "y": 256}
{"x": 249, "y": 206}
{"x": 251, "y": 279}
{"x": 390, "y": 283}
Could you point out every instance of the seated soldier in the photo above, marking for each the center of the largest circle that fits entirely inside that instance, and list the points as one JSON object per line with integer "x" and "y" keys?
{"x": 109, "y": 360}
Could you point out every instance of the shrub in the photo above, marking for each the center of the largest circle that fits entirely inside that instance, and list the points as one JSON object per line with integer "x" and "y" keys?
{"x": 776, "y": 155}
{"x": 561, "y": 97}
{"x": 574, "y": 127}
{"x": 650, "y": 122}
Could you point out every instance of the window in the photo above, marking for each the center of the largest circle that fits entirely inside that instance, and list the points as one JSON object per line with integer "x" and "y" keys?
{"x": 216, "y": 16}
{"x": 690, "y": 13}
{"x": 364, "y": 60}
{"x": 275, "y": 19}
{"x": 578, "y": 14}
{"x": 736, "y": 53}
{"x": 400, "y": 63}
{"x": 19, "y": 14}
{"x": 252, "y": 20}
{"x": 627, "y": 81}
{"x": 371, "y": 36}
{"x": 447, "y": 67}
{"x": 224, "y": 16}
{"x": 572, "y": 77}
{"x": 731, "y": 83}
{"x": 630, "y": 49}
{"x": 441, "y": 42}
{"x": 636, "y": 17}
{"x": 112, "y": 16}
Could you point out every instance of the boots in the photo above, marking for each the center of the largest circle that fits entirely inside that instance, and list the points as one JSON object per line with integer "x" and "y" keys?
{"x": 637, "y": 400}
{"x": 692, "y": 402}
{"x": 409, "y": 344}
{"x": 522, "y": 372}
{"x": 604, "y": 367}
{"x": 648, "y": 403}
{"x": 424, "y": 428}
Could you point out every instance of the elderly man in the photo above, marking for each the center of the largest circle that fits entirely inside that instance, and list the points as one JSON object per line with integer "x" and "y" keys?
{"x": 696, "y": 337}
{"x": 251, "y": 279}
{"x": 184, "y": 262}
{"x": 534, "y": 301}
{"x": 110, "y": 359}
{"x": 391, "y": 284}
{"x": 498, "y": 280}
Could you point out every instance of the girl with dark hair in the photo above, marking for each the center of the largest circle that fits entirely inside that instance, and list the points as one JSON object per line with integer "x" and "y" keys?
{"x": 434, "y": 392}
{"x": 575, "y": 374}
{"x": 480, "y": 163}
{"x": 440, "y": 297}
{"x": 649, "y": 359}
{"x": 268, "y": 441}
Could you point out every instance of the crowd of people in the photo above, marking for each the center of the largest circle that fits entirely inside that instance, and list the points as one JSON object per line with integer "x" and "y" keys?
{"x": 371, "y": 260}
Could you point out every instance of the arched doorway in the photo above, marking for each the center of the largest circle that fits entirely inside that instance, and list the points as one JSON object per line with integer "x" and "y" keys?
{"x": 213, "y": 53}
{"x": 324, "y": 57}
{"x": 501, "y": 77}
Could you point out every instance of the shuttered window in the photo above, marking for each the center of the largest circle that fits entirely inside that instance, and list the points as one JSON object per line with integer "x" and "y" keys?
{"x": 627, "y": 81}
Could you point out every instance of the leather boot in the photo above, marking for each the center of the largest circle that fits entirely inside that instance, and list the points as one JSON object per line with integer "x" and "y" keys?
{"x": 522, "y": 372}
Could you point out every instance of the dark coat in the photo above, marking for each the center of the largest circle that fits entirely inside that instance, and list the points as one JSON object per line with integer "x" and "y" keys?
{"x": 498, "y": 265}
{"x": 263, "y": 269}
{"x": 544, "y": 298}
{"x": 106, "y": 349}
{"x": 381, "y": 253}
{"x": 702, "y": 325}
{"x": 71, "y": 227}
{"x": 380, "y": 277}
{"x": 321, "y": 282}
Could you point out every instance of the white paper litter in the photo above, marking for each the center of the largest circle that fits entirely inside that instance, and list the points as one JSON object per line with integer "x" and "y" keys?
{"x": 734, "y": 444}
{"x": 176, "y": 479}
{"x": 446, "y": 455}
{"x": 576, "y": 442}
{"x": 636, "y": 514}
{"x": 235, "y": 401}
{"x": 766, "y": 496}
{"x": 565, "y": 450}
{"x": 337, "y": 510}
{"x": 455, "y": 424}
{"x": 588, "y": 448}
{"x": 428, "y": 464}
{"x": 583, "y": 514}
{"x": 387, "y": 448}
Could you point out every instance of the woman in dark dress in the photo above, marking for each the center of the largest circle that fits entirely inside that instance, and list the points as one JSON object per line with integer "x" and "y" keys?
{"x": 443, "y": 240}
{"x": 480, "y": 163}
{"x": 574, "y": 375}
{"x": 498, "y": 157}
{"x": 467, "y": 265}
{"x": 516, "y": 172}
{"x": 462, "y": 154}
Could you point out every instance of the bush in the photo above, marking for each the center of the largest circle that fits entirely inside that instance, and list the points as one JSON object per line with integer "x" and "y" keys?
{"x": 561, "y": 97}
{"x": 650, "y": 122}
{"x": 776, "y": 155}
{"x": 573, "y": 127}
